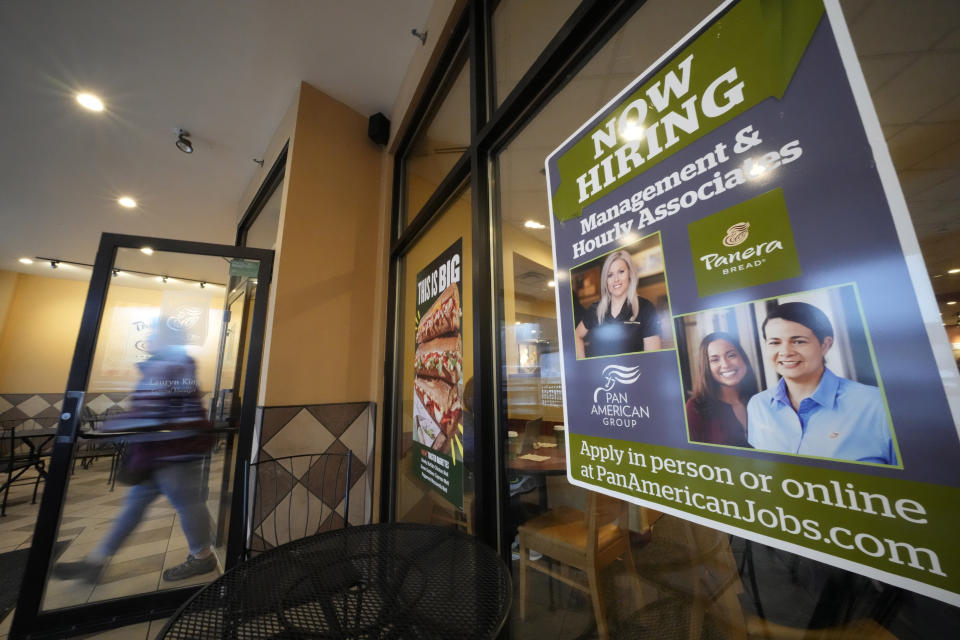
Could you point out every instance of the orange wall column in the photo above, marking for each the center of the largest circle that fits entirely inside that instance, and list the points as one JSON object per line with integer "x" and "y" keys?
{"x": 324, "y": 329}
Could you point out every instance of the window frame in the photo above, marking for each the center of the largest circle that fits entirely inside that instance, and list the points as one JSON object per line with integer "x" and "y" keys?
{"x": 492, "y": 127}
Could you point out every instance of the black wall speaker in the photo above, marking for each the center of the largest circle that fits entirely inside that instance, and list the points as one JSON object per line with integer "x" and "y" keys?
{"x": 379, "y": 128}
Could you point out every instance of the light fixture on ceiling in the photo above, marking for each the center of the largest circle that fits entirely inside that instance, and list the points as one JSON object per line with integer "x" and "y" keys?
{"x": 552, "y": 284}
{"x": 164, "y": 279}
{"x": 183, "y": 141}
{"x": 115, "y": 273}
{"x": 203, "y": 285}
{"x": 90, "y": 101}
{"x": 146, "y": 250}
{"x": 26, "y": 261}
{"x": 126, "y": 202}
{"x": 54, "y": 264}
{"x": 953, "y": 271}
{"x": 952, "y": 302}
{"x": 533, "y": 224}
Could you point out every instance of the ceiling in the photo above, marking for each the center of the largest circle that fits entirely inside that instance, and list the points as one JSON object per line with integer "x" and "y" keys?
{"x": 227, "y": 73}
{"x": 224, "y": 71}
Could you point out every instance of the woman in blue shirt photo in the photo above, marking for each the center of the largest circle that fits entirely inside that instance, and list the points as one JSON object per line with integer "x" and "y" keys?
{"x": 622, "y": 321}
{"x": 812, "y": 411}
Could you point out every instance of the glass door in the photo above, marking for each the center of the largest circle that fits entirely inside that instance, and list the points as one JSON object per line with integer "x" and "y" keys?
{"x": 159, "y": 408}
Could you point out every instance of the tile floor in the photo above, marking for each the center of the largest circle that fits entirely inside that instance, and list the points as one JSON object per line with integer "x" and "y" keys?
{"x": 156, "y": 545}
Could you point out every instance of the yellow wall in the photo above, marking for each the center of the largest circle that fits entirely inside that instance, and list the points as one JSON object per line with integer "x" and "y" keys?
{"x": 40, "y": 333}
{"x": 325, "y": 303}
{"x": 8, "y": 282}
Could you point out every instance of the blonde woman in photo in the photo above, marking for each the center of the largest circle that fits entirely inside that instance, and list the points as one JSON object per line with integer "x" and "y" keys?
{"x": 622, "y": 321}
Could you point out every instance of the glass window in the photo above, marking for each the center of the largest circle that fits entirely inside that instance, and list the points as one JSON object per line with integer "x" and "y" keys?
{"x": 909, "y": 55}
{"x": 262, "y": 234}
{"x": 671, "y": 573}
{"x": 433, "y": 390}
{"x": 439, "y": 143}
{"x": 521, "y": 30}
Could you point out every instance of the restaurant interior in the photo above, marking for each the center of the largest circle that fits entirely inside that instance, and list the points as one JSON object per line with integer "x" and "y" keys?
{"x": 300, "y": 288}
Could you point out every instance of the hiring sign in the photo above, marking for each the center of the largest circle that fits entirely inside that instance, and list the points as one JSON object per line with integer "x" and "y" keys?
{"x": 729, "y": 238}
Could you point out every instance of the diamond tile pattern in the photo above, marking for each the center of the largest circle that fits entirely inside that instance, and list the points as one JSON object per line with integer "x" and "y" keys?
{"x": 307, "y": 429}
{"x": 24, "y": 406}
{"x": 34, "y": 405}
{"x": 302, "y": 434}
{"x": 337, "y": 417}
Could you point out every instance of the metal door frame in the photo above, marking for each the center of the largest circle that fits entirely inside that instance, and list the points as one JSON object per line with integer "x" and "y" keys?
{"x": 29, "y": 621}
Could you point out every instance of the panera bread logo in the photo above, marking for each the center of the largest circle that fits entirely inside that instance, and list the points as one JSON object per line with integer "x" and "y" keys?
{"x": 740, "y": 260}
{"x": 737, "y": 234}
{"x": 748, "y": 244}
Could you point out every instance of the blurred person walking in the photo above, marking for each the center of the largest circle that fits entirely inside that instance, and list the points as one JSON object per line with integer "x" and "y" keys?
{"x": 166, "y": 459}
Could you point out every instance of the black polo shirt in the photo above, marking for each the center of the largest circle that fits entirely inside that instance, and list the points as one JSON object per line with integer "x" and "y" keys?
{"x": 620, "y": 334}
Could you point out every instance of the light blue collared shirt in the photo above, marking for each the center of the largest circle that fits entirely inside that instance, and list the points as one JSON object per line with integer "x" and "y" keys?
{"x": 843, "y": 419}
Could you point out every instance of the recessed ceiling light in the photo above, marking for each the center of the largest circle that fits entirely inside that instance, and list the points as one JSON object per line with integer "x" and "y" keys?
{"x": 952, "y": 302}
{"x": 26, "y": 261}
{"x": 90, "y": 101}
{"x": 126, "y": 202}
{"x": 551, "y": 284}
{"x": 146, "y": 250}
{"x": 952, "y": 271}
{"x": 533, "y": 224}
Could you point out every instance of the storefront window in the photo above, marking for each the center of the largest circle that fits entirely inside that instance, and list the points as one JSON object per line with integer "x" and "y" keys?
{"x": 440, "y": 143}
{"x": 588, "y": 566}
{"x": 436, "y": 441}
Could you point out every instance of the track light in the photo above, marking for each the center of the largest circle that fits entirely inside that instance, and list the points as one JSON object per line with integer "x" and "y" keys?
{"x": 203, "y": 285}
{"x": 183, "y": 141}
{"x": 54, "y": 264}
{"x": 164, "y": 279}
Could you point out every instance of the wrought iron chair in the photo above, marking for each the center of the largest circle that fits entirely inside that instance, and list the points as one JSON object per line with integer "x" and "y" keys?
{"x": 298, "y": 496}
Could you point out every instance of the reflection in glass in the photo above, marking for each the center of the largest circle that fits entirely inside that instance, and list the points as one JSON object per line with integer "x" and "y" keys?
{"x": 439, "y": 144}
{"x": 521, "y": 30}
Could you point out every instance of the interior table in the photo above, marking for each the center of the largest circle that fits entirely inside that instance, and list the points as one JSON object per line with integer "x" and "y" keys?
{"x": 398, "y": 580}
{"x": 553, "y": 464}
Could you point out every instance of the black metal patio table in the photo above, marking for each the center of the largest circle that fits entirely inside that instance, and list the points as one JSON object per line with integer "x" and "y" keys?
{"x": 398, "y": 580}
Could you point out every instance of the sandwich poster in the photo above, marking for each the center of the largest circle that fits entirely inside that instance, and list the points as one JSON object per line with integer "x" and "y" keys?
{"x": 438, "y": 383}
{"x": 759, "y": 349}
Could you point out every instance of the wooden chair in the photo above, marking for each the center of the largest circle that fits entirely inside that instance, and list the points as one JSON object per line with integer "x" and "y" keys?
{"x": 695, "y": 564}
{"x": 586, "y": 540}
{"x": 443, "y": 512}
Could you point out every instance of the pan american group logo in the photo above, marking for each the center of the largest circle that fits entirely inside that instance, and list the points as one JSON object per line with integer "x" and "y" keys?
{"x": 614, "y": 406}
{"x": 748, "y": 244}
